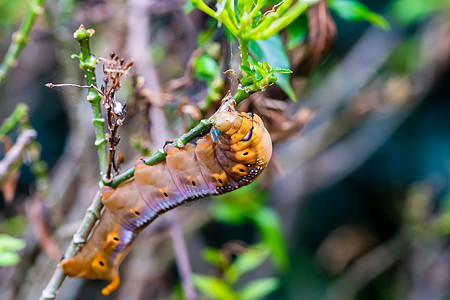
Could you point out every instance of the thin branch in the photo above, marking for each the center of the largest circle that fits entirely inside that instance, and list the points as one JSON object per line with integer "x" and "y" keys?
{"x": 181, "y": 256}
{"x": 20, "y": 39}
{"x": 87, "y": 64}
{"x": 15, "y": 153}
{"x": 19, "y": 114}
{"x": 91, "y": 216}
{"x": 51, "y": 85}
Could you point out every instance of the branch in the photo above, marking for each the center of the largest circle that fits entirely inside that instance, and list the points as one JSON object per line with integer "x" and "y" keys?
{"x": 87, "y": 64}
{"x": 19, "y": 114}
{"x": 14, "y": 154}
{"x": 91, "y": 216}
{"x": 20, "y": 38}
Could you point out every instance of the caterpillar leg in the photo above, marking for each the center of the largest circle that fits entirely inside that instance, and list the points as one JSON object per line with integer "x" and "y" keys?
{"x": 111, "y": 286}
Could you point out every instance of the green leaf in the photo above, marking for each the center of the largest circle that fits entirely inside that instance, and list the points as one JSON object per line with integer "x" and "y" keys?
{"x": 269, "y": 227}
{"x": 228, "y": 213}
{"x": 272, "y": 51}
{"x": 245, "y": 69}
{"x": 9, "y": 243}
{"x": 355, "y": 11}
{"x": 412, "y": 11}
{"x": 205, "y": 67}
{"x": 259, "y": 288}
{"x": 14, "y": 226}
{"x": 8, "y": 246}
{"x": 8, "y": 258}
{"x": 281, "y": 70}
{"x": 247, "y": 262}
{"x": 297, "y": 31}
{"x": 214, "y": 257}
{"x": 213, "y": 287}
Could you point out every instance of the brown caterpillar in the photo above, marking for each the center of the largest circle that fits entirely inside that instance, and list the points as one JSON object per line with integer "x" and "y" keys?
{"x": 230, "y": 156}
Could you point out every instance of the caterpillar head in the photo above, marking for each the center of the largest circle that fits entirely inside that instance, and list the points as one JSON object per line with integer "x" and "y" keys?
{"x": 93, "y": 266}
{"x": 241, "y": 126}
{"x": 227, "y": 121}
{"x": 101, "y": 259}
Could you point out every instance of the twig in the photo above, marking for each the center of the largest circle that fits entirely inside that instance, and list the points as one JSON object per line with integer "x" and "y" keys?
{"x": 51, "y": 85}
{"x": 181, "y": 256}
{"x": 14, "y": 154}
{"x": 20, "y": 38}
{"x": 87, "y": 64}
{"x": 18, "y": 115}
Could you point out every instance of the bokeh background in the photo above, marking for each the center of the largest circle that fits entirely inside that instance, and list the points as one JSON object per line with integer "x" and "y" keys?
{"x": 355, "y": 204}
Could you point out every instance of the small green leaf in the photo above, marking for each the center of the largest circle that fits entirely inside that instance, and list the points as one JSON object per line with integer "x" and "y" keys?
{"x": 245, "y": 69}
{"x": 272, "y": 51}
{"x": 228, "y": 213}
{"x": 246, "y": 262}
{"x": 281, "y": 70}
{"x": 8, "y": 258}
{"x": 213, "y": 287}
{"x": 214, "y": 256}
{"x": 205, "y": 67}
{"x": 259, "y": 288}
{"x": 246, "y": 80}
{"x": 270, "y": 229}
{"x": 412, "y": 11}
{"x": 9, "y": 243}
{"x": 355, "y": 11}
{"x": 297, "y": 31}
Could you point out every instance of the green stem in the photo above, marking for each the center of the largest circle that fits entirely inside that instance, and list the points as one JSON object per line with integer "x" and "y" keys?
{"x": 20, "y": 38}
{"x": 18, "y": 115}
{"x": 87, "y": 64}
{"x": 204, "y": 8}
{"x": 244, "y": 51}
{"x": 276, "y": 25}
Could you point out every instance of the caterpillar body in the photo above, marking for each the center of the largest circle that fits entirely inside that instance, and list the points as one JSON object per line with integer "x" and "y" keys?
{"x": 230, "y": 156}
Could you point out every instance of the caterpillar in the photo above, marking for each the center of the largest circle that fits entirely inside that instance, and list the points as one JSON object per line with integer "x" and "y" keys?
{"x": 231, "y": 155}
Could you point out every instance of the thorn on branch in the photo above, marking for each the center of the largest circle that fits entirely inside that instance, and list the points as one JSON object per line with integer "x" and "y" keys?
{"x": 51, "y": 85}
